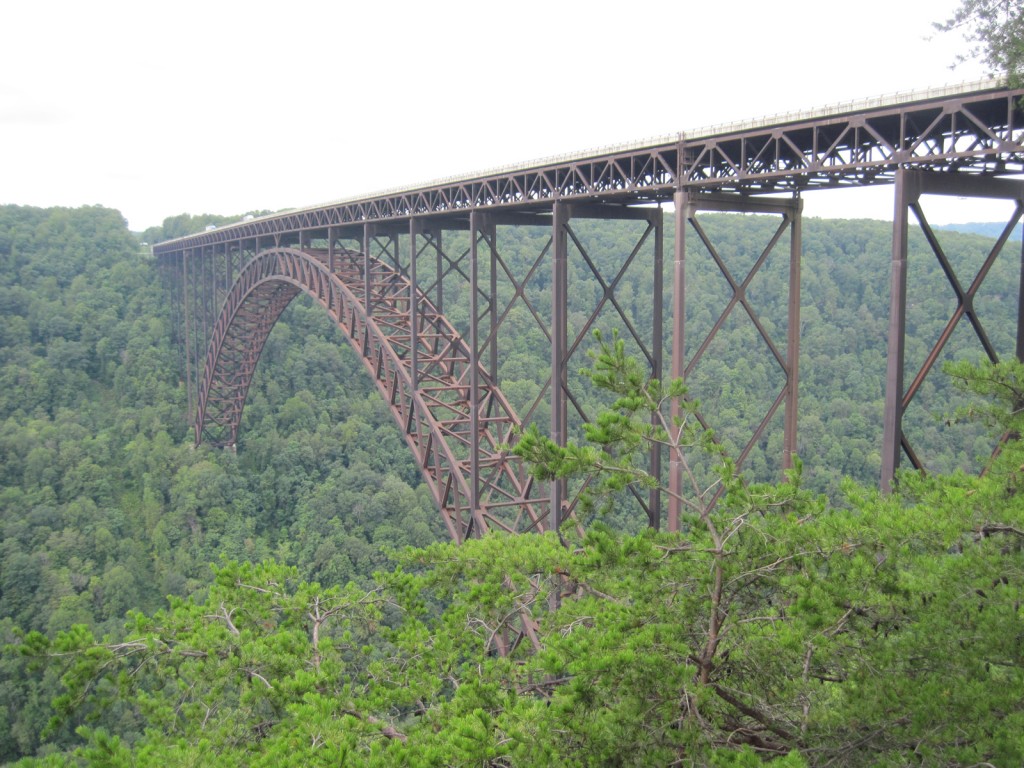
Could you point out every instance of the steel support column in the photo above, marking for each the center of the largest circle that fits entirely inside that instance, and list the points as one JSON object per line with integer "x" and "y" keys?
{"x": 439, "y": 266}
{"x": 169, "y": 272}
{"x": 790, "y": 416}
{"x": 492, "y": 304}
{"x": 477, "y": 221}
{"x": 910, "y": 186}
{"x": 683, "y": 213}
{"x": 414, "y": 330}
{"x": 368, "y": 296}
{"x": 483, "y": 227}
{"x": 193, "y": 331}
{"x": 657, "y": 351}
{"x": 906, "y": 190}
{"x": 687, "y": 206}
{"x": 187, "y": 348}
{"x": 559, "y": 347}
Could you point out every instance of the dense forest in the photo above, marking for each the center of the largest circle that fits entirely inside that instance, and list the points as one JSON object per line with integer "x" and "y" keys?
{"x": 295, "y": 602}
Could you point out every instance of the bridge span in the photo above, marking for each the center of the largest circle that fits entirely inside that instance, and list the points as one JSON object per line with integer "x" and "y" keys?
{"x": 388, "y": 266}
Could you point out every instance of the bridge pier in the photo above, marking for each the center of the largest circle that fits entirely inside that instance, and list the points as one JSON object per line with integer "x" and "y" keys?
{"x": 910, "y": 186}
{"x": 566, "y": 241}
{"x": 559, "y": 349}
{"x": 687, "y": 207}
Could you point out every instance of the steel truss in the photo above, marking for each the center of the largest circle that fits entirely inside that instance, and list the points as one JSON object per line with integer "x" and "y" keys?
{"x": 425, "y": 377}
{"x": 684, "y": 363}
{"x": 976, "y": 132}
{"x": 388, "y": 287}
{"x": 910, "y": 186}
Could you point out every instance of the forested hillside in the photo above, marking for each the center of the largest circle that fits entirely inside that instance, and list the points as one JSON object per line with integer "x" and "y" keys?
{"x": 106, "y": 506}
{"x": 859, "y": 627}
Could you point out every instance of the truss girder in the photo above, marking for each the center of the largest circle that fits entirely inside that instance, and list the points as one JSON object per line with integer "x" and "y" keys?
{"x": 979, "y": 132}
{"x": 436, "y": 417}
{"x": 970, "y": 134}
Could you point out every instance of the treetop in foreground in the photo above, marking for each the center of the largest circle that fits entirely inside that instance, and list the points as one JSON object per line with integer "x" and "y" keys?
{"x": 774, "y": 627}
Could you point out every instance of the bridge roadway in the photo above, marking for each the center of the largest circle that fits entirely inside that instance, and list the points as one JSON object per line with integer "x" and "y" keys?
{"x": 363, "y": 259}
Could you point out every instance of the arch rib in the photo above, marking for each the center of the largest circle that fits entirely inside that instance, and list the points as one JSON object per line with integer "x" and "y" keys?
{"x": 435, "y": 418}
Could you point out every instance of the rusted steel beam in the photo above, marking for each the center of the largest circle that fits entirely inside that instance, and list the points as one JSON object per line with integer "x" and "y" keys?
{"x": 792, "y": 366}
{"x": 476, "y": 490}
{"x": 911, "y": 185}
{"x": 559, "y": 345}
{"x": 971, "y": 136}
{"x": 684, "y": 362}
{"x": 977, "y": 132}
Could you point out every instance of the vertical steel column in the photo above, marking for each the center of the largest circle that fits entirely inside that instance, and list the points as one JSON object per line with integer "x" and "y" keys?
{"x": 203, "y": 264}
{"x": 439, "y": 253}
{"x": 208, "y": 278}
{"x": 199, "y": 265}
{"x": 559, "y": 347}
{"x": 492, "y": 308}
{"x": 331, "y": 265}
{"x": 216, "y": 273}
{"x": 414, "y": 332}
{"x": 790, "y": 418}
{"x": 367, "y": 234}
{"x": 194, "y": 310}
{"x": 227, "y": 280}
{"x": 683, "y": 212}
{"x": 657, "y": 352}
{"x": 169, "y": 268}
{"x": 187, "y": 315}
{"x": 476, "y": 222}
{"x": 906, "y": 192}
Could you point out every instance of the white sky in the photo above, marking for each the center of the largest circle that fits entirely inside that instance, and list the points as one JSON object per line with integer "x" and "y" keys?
{"x": 224, "y": 106}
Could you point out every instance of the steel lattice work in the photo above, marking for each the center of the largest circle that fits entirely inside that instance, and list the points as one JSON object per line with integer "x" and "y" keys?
{"x": 978, "y": 130}
{"x": 231, "y": 284}
{"x": 425, "y": 380}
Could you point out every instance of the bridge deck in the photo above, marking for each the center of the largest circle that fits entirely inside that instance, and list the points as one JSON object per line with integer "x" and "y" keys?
{"x": 976, "y": 128}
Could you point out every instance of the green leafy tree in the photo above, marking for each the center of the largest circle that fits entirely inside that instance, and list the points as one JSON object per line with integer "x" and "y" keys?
{"x": 850, "y": 635}
{"x": 216, "y": 678}
{"x": 772, "y": 627}
{"x": 995, "y": 31}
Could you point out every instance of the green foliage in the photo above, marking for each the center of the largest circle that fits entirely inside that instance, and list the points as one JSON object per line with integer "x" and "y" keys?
{"x": 218, "y": 675}
{"x": 622, "y": 436}
{"x": 1002, "y": 388}
{"x": 995, "y": 31}
{"x": 773, "y": 626}
{"x": 104, "y": 505}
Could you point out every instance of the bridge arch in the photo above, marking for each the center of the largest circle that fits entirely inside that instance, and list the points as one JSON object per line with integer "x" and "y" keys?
{"x": 445, "y": 422}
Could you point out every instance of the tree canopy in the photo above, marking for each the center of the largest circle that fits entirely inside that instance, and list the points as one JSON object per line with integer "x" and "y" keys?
{"x": 775, "y": 626}
{"x": 994, "y": 30}
{"x": 809, "y": 621}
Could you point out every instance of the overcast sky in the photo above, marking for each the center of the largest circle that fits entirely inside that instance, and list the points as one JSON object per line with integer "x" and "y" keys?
{"x": 224, "y": 107}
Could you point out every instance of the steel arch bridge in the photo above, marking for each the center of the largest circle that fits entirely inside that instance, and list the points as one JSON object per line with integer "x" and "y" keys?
{"x": 385, "y": 267}
{"x": 452, "y": 416}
